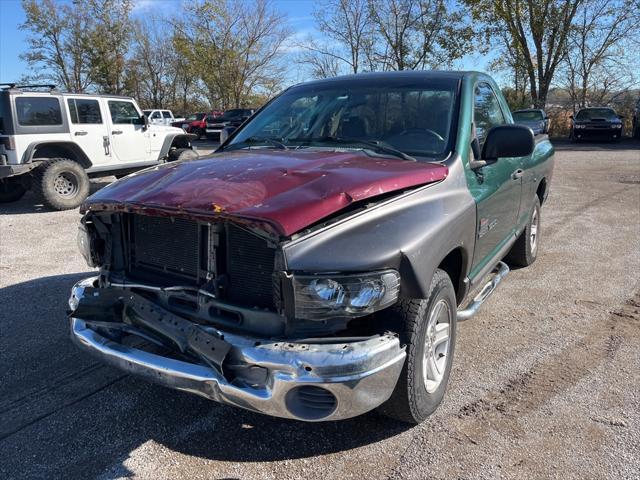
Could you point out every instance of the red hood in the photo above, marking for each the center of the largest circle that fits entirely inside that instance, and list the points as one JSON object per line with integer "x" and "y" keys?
{"x": 289, "y": 190}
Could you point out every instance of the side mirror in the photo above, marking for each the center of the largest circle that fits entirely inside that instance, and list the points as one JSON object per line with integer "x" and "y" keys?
{"x": 571, "y": 117}
{"x": 226, "y": 133}
{"x": 621, "y": 117}
{"x": 508, "y": 141}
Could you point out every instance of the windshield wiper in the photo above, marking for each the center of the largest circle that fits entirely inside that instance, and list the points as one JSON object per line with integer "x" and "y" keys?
{"x": 373, "y": 144}
{"x": 255, "y": 142}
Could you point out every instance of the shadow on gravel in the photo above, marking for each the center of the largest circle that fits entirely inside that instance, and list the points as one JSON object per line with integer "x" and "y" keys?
{"x": 31, "y": 204}
{"x": 564, "y": 145}
{"x": 54, "y": 398}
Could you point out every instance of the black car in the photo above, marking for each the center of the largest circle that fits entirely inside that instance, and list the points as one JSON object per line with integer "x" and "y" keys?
{"x": 596, "y": 123}
{"x": 534, "y": 118}
{"x": 230, "y": 118}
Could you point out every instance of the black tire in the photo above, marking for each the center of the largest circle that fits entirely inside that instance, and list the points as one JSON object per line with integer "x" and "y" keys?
{"x": 179, "y": 154}
{"x": 61, "y": 183}
{"x": 200, "y": 133}
{"x": 525, "y": 251}
{"x": 11, "y": 190}
{"x": 411, "y": 401}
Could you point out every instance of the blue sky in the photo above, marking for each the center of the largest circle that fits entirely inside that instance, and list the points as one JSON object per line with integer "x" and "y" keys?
{"x": 13, "y": 40}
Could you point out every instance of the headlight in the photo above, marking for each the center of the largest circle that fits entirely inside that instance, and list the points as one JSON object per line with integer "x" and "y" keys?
{"x": 319, "y": 297}
{"x": 617, "y": 125}
{"x": 84, "y": 245}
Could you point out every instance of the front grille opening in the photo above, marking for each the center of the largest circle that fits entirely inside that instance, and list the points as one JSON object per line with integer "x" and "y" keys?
{"x": 168, "y": 251}
{"x": 164, "y": 245}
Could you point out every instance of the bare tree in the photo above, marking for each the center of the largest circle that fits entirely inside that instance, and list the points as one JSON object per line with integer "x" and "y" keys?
{"x": 58, "y": 48}
{"x": 597, "y": 59}
{"x": 153, "y": 70}
{"x": 538, "y": 30}
{"x": 417, "y": 34}
{"x": 346, "y": 24}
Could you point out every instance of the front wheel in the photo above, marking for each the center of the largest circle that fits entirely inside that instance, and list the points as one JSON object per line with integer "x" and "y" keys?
{"x": 11, "y": 190}
{"x": 428, "y": 329}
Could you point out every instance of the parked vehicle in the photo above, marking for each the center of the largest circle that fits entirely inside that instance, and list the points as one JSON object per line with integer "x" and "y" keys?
{"x": 196, "y": 123}
{"x": 534, "y": 118}
{"x": 636, "y": 120}
{"x": 318, "y": 272}
{"x": 230, "y": 118}
{"x": 596, "y": 123}
{"x": 161, "y": 117}
{"x": 54, "y": 142}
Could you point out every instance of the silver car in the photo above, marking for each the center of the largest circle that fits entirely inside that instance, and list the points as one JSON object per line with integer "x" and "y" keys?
{"x": 536, "y": 119}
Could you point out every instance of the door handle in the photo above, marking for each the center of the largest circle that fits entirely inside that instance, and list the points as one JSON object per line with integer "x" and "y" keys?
{"x": 116, "y": 132}
{"x": 517, "y": 174}
{"x": 80, "y": 133}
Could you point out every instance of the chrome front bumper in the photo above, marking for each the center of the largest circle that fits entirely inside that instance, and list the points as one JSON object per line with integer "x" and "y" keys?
{"x": 303, "y": 381}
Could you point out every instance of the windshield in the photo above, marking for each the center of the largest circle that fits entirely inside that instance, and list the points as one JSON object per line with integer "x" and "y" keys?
{"x": 414, "y": 119}
{"x": 528, "y": 115}
{"x": 593, "y": 113}
{"x": 195, "y": 116}
{"x": 147, "y": 112}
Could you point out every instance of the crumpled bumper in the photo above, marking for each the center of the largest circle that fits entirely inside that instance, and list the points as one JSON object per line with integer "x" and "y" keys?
{"x": 305, "y": 381}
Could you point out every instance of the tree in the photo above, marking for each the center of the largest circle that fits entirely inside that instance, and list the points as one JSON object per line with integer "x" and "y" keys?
{"x": 346, "y": 24}
{"x": 538, "y": 30}
{"x": 109, "y": 41}
{"x": 595, "y": 59}
{"x": 417, "y": 34}
{"x": 234, "y": 47}
{"x": 59, "y": 50}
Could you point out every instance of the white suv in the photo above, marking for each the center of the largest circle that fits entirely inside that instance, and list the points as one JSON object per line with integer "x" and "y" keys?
{"x": 53, "y": 142}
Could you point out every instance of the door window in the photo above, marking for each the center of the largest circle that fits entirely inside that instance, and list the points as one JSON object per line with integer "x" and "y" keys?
{"x": 166, "y": 114}
{"x": 35, "y": 111}
{"x": 84, "y": 111}
{"x": 487, "y": 111}
{"x": 123, "y": 112}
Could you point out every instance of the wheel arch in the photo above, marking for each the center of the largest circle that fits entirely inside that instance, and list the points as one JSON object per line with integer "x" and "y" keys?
{"x": 56, "y": 149}
{"x": 455, "y": 264}
{"x": 543, "y": 190}
{"x": 175, "y": 140}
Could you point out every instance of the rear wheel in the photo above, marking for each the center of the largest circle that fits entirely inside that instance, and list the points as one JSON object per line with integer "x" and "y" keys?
{"x": 11, "y": 190}
{"x": 61, "y": 183}
{"x": 428, "y": 329}
{"x": 525, "y": 251}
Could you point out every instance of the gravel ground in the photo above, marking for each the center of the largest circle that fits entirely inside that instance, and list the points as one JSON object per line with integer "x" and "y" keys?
{"x": 545, "y": 381}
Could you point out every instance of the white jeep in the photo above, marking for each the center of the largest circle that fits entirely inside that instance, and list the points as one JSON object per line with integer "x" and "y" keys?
{"x": 53, "y": 142}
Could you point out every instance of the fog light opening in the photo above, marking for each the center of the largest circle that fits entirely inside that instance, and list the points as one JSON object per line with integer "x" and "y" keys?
{"x": 309, "y": 402}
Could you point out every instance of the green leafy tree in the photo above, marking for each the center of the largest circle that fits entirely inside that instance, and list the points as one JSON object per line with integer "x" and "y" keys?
{"x": 59, "y": 50}
{"x": 537, "y": 31}
{"x": 109, "y": 40}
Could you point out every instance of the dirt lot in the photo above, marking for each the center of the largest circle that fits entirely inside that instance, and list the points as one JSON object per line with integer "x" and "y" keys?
{"x": 545, "y": 382}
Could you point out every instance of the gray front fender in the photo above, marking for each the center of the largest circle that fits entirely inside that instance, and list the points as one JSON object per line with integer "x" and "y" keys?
{"x": 412, "y": 233}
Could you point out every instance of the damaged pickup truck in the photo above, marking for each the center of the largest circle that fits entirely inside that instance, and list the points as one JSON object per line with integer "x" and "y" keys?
{"x": 316, "y": 265}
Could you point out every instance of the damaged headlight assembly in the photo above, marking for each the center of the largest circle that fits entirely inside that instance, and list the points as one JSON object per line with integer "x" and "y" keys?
{"x": 85, "y": 246}
{"x": 319, "y": 297}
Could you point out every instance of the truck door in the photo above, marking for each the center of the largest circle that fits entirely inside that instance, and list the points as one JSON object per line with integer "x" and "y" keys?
{"x": 89, "y": 128}
{"x": 498, "y": 186}
{"x": 129, "y": 139}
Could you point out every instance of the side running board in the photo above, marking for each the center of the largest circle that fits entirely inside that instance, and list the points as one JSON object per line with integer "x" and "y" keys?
{"x": 498, "y": 273}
